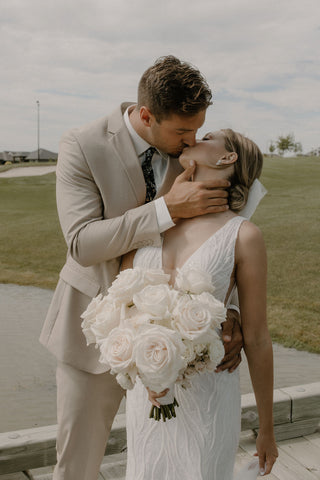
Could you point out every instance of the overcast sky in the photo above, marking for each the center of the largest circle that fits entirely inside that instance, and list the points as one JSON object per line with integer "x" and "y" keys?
{"x": 81, "y": 58}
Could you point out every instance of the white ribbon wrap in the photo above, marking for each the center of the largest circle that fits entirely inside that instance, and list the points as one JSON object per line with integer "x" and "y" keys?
{"x": 256, "y": 194}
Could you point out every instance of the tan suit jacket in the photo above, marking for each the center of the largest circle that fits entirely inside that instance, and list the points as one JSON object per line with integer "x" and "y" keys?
{"x": 100, "y": 199}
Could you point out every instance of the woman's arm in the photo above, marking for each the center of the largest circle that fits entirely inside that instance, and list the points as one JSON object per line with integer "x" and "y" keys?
{"x": 251, "y": 275}
{"x": 127, "y": 260}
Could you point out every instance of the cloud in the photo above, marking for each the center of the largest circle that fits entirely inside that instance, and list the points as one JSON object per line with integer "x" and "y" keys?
{"x": 81, "y": 58}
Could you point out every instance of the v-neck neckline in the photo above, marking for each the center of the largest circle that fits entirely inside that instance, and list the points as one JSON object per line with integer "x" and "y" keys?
{"x": 197, "y": 249}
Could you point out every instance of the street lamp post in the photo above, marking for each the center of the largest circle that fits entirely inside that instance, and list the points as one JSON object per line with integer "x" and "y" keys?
{"x": 38, "y": 110}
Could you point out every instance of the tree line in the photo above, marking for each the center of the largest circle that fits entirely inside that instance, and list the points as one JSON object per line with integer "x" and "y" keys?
{"x": 285, "y": 144}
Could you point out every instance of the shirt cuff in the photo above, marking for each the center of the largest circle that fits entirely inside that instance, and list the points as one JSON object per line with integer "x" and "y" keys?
{"x": 163, "y": 216}
{"x": 233, "y": 307}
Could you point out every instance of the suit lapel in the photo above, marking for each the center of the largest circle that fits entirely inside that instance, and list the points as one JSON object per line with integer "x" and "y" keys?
{"x": 124, "y": 150}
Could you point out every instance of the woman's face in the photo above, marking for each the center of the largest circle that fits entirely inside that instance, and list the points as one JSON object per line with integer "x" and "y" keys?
{"x": 206, "y": 151}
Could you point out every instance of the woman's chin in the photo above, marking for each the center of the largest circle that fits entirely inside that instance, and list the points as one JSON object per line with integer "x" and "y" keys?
{"x": 184, "y": 162}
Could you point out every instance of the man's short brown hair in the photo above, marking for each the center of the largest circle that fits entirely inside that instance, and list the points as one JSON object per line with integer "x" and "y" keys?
{"x": 172, "y": 86}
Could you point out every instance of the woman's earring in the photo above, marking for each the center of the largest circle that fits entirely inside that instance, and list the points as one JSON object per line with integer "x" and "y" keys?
{"x": 219, "y": 163}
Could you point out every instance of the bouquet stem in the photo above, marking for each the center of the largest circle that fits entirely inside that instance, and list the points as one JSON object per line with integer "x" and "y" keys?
{"x": 164, "y": 412}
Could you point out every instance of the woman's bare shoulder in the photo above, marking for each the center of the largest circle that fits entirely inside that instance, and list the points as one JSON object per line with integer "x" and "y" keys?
{"x": 249, "y": 238}
{"x": 249, "y": 231}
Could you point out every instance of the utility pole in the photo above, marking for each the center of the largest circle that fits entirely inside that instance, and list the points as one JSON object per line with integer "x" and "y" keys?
{"x": 38, "y": 110}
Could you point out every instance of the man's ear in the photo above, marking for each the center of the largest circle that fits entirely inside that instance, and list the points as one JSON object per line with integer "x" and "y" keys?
{"x": 146, "y": 116}
{"x": 227, "y": 159}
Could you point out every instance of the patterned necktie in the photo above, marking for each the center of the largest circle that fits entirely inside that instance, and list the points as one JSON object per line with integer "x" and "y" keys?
{"x": 148, "y": 174}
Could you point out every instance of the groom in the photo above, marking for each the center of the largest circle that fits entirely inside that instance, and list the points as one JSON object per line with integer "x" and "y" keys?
{"x": 116, "y": 194}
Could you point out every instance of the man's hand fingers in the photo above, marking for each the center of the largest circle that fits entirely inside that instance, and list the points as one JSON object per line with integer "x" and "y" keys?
{"x": 216, "y": 193}
{"x": 186, "y": 174}
{"x": 230, "y": 365}
{"x": 231, "y": 355}
{"x": 217, "y": 183}
{"x": 227, "y": 328}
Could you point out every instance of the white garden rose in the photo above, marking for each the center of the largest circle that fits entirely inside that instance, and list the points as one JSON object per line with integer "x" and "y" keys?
{"x": 106, "y": 320}
{"x": 117, "y": 349}
{"x": 89, "y": 317}
{"x": 194, "y": 281}
{"x": 192, "y": 319}
{"x": 216, "y": 349}
{"x": 154, "y": 300}
{"x": 137, "y": 320}
{"x": 126, "y": 284}
{"x": 154, "y": 276}
{"x": 217, "y": 308}
{"x": 158, "y": 355}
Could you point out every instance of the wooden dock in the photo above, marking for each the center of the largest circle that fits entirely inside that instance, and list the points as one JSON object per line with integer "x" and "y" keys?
{"x": 31, "y": 453}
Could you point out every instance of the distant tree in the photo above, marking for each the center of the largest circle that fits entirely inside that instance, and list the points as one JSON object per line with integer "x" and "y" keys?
{"x": 288, "y": 144}
{"x": 285, "y": 144}
{"x": 272, "y": 148}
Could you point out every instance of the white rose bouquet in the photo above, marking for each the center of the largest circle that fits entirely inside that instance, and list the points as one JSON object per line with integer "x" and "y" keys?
{"x": 163, "y": 334}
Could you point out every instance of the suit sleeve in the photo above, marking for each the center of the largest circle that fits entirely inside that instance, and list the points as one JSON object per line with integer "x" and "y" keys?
{"x": 90, "y": 238}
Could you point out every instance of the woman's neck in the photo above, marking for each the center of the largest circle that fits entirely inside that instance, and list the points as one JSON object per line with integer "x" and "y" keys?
{"x": 204, "y": 173}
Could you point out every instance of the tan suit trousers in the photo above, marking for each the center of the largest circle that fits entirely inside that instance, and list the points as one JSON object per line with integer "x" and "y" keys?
{"x": 86, "y": 406}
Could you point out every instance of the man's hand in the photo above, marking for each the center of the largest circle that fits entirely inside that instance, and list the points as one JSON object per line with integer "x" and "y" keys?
{"x": 189, "y": 199}
{"x": 233, "y": 342}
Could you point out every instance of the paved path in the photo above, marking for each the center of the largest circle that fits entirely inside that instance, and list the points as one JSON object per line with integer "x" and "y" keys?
{"x": 28, "y": 171}
{"x": 27, "y": 370}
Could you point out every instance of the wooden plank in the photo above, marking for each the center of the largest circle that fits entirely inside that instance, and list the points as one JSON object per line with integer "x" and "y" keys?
{"x": 287, "y": 467}
{"x": 295, "y": 429}
{"x": 305, "y": 453}
{"x": 249, "y": 413}
{"x": 305, "y": 401}
{"x": 314, "y": 438}
{"x": 34, "y": 448}
{"x": 27, "y": 449}
{"x": 114, "y": 466}
{"x": 13, "y": 476}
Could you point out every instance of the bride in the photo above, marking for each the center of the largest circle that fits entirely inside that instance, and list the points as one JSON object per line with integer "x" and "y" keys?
{"x": 201, "y": 442}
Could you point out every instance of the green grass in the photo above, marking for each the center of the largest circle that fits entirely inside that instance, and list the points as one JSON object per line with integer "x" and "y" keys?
{"x": 33, "y": 250}
{"x": 289, "y": 220}
{"x": 32, "y": 247}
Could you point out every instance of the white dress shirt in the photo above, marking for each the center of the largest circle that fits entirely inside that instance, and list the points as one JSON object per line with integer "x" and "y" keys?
{"x": 159, "y": 165}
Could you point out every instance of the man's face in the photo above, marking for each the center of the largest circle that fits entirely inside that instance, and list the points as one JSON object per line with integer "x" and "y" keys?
{"x": 175, "y": 133}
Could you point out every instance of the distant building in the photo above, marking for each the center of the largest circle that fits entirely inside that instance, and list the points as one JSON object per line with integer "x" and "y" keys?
{"x": 17, "y": 157}
{"x": 5, "y": 157}
{"x": 44, "y": 156}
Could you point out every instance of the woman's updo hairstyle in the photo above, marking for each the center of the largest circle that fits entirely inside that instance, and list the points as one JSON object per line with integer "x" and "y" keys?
{"x": 247, "y": 168}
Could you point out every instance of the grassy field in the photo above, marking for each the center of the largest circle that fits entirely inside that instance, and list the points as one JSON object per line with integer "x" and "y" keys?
{"x": 33, "y": 250}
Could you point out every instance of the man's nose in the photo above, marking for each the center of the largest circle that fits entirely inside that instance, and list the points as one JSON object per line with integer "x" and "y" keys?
{"x": 190, "y": 139}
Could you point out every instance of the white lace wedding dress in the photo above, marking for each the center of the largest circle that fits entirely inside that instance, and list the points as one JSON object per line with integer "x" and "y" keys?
{"x": 201, "y": 442}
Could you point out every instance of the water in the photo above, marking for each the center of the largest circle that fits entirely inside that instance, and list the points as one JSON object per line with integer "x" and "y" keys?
{"x": 27, "y": 369}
